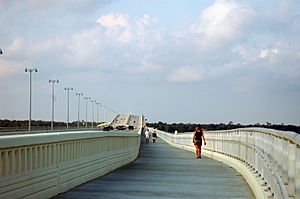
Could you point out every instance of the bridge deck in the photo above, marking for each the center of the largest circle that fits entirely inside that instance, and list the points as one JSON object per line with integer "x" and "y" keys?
{"x": 162, "y": 171}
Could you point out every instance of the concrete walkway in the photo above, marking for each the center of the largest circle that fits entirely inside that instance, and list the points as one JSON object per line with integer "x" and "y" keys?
{"x": 162, "y": 171}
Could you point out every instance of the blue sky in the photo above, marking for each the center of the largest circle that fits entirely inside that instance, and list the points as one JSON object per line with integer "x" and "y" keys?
{"x": 173, "y": 61}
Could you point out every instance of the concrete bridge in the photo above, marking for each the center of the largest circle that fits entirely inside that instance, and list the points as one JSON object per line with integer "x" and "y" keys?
{"x": 164, "y": 171}
{"x": 241, "y": 163}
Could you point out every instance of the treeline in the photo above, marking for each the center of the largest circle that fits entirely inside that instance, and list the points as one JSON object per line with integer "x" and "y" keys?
{"x": 37, "y": 124}
{"x": 24, "y": 123}
{"x": 181, "y": 127}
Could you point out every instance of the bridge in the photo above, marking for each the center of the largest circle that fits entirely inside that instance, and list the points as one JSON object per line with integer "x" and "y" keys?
{"x": 240, "y": 163}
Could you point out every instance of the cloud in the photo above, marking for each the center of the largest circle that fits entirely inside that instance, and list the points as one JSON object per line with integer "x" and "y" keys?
{"x": 275, "y": 51}
{"x": 9, "y": 68}
{"x": 85, "y": 49}
{"x": 185, "y": 74}
{"x": 263, "y": 53}
{"x": 121, "y": 28}
{"x": 268, "y": 52}
{"x": 112, "y": 20}
{"x": 117, "y": 26}
{"x": 17, "y": 46}
{"x": 69, "y": 5}
{"x": 222, "y": 22}
{"x": 146, "y": 67}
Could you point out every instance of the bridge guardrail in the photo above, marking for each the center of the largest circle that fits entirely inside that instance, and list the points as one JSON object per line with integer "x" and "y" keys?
{"x": 273, "y": 155}
{"x": 43, "y": 165}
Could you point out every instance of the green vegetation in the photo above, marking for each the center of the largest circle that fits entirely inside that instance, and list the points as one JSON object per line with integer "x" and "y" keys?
{"x": 12, "y": 125}
{"x": 181, "y": 127}
{"x": 22, "y": 125}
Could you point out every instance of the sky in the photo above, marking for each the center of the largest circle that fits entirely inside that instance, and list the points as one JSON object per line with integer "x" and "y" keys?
{"x": 211, "y": 61}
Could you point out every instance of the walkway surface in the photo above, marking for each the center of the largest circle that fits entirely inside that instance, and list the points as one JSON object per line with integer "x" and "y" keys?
{"x": 162, "y": 171}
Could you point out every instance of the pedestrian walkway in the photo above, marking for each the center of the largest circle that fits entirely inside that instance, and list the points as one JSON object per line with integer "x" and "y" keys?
{"x": 162, "y": 171}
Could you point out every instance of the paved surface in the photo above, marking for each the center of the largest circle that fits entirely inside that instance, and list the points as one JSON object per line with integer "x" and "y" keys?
{"x": 162, "y": 171}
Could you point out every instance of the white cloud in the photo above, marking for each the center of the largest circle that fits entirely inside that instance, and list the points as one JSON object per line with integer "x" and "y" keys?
{"x": 85, "y": 48}
{"x": 125, "y": 37}
{"x": 145, "y": 19}
{"x": 45, "y": 47}
{"x": 69, "y": 5}
{"x": 112, "y": 20}
{"x": 9, "y": 68}
{"x": 263, "y": 53}
{"x": 17, "y": 45}
{"x": 222, "y": 22}
{"x": 146, "y": 67}
{"x": 122, "y": 29}
{"x": 268, "y": 52}
{"x": 117, "y": 26}
{"x": 275, "y": 51}
{"x": 186, "y": 74}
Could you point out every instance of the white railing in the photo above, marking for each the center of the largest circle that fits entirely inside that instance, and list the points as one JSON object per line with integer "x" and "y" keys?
{"x": 43, "y": 165}
{"x": 273, "y": 155}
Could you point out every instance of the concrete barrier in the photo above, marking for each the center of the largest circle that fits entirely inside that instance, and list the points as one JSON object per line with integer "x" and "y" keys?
{"x": 43, "y": 165}
{"x": 268, "y": 159}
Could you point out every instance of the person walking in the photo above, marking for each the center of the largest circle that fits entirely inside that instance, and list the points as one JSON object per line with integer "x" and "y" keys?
{"x": 147, "y": 135}
{"x": 197, "y": 140}
{"x": 154, "y": 136}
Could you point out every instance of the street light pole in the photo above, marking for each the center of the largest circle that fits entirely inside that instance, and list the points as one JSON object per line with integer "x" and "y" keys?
{"x": 79, "y": 94}
{"x": 86, "y": 106}
{"x": 104, "y": 112}
{"x": 93, "y": 101}
{"x": 97, "y": 104}
{"x": 29, "y": 70}
{"x": 53, "y": 82}
{"x": 68, "y": 105}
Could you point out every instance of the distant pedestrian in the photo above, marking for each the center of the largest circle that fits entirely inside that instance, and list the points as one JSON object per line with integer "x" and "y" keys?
{"x": 197, "y": 140}
{"x": 147, "y": 135}
{"x": 154, "y": 136}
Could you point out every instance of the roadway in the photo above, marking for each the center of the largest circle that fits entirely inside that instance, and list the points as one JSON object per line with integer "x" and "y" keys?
{"x": 162, "y": 171}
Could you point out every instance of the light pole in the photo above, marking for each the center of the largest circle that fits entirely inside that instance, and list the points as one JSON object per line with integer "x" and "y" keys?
{"x": 79, "y": 94}
{"x": 29, "y": 70}
{"x": 53, "y": 82}
{"x": 93, "y": 102}
{"x": 86, "y": 106}
{"x": 104, "y": 112}
{"x": 68, "y": 105}
{"x": 97, "y": 104}
{"x": 108, "y": 113}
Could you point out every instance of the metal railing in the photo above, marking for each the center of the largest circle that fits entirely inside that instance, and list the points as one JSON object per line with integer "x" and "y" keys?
{"x": 273, "y": 155}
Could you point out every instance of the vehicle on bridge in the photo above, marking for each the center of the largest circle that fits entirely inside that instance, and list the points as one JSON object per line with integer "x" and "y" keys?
{"x": 105, "y": 126}
{"x": 122, "y": 127}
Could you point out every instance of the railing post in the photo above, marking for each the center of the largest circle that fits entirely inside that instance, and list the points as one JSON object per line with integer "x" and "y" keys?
{"x": 285, "y": 160}
{"x": 13, "y": 163}
{"x": 291, "y": 169}
{"x": 6, "y": 163}
{"x": 280, "y": 157}
{"x": 297, "y": 175}
{"x": 1, "y": 163}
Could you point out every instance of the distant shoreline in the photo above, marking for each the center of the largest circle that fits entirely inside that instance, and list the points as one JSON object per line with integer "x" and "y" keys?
{"x": 182, "y": 127}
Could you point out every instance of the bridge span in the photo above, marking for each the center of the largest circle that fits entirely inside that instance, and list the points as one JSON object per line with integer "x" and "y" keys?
{"x": 45, "y": 164}
{"x": 163, "y": 171}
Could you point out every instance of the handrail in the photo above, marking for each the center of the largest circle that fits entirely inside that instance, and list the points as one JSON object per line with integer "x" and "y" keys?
{"x": 42, "y": 165}
{"x": 273, "y": 154}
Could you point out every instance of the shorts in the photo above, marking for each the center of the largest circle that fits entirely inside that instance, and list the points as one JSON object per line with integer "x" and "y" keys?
{"x": 198, "y": 143}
